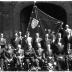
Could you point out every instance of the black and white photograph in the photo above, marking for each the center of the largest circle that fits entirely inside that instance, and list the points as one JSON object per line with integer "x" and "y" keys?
{"x": 35, "y": 35}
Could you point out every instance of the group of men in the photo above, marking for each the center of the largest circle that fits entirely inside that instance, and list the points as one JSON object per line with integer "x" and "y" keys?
{"x": 53, "y": 52}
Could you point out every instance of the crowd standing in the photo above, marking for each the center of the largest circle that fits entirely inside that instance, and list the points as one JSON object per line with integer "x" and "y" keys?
{"x": 24, "y": 53}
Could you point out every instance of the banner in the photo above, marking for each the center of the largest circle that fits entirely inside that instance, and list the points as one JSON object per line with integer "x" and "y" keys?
{"x": 40, "y": 22}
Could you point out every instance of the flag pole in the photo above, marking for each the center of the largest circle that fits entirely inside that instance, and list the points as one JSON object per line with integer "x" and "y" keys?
{"x": 34, "y": 3}
{"x": 35, "y": 9}
{"x": 36, "y": 12}
{"x": 30, "y": 17}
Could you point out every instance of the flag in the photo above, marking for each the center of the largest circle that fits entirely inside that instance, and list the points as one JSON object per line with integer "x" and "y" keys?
{"x": 34, "y": 23}
{"x": 40, "y": 22}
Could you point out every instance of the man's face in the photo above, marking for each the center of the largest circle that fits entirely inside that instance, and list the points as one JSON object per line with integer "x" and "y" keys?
{"x": 0, "y": 46}
{"x": 39, "y": 45}
{"x": 9, "y": 46}
{"x": 37, "y": 34}
{"x": 16, "y": 34}
{"x": 1, "y": 35}
{"x": 30, "y": 46}
{"x": 67, "y": 26}
{"x": 27, "y": 60}
{"x": 49, "y": 30}
{"x": 28, "y": 34}
{"x": 46, "y": 36}
{"x": 33, "y": 59}
{"x": 20, "y": 33}
{"x": 19, "y": 46}
{"x": 59, "y": 35}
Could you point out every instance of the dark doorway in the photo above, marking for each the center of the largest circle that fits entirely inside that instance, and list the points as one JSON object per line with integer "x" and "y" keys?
{"x": 25, "y": 17}
{"x": 51, "y": 9}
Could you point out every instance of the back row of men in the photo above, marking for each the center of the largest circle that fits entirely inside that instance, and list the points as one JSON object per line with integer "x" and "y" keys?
{"x": 52, "y": 43}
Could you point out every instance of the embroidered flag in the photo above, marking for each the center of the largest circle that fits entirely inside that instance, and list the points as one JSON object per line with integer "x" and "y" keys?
{"x": 40, "y": 22}
{"x": 34, "y": 23}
